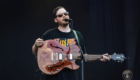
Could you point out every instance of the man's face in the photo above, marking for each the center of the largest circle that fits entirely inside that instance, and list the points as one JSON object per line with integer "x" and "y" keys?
{"x": 61, "y": 19}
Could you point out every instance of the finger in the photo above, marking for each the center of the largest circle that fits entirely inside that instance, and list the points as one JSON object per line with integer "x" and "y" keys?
{"x": 106, "y": 54}
{"x": 40, "y": 44}
{"x": 102, "y": 60}
{"x": 86, "y": 54}
{"x": 38, "y": 38}
{"x": 107, "y": 58}
{"x": 39, "y": 41}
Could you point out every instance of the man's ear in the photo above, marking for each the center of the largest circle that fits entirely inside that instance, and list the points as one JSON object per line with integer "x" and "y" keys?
{"x": 55, "y": 20}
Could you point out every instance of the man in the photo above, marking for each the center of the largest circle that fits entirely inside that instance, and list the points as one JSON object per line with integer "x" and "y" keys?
{"x": 65, "y": 36}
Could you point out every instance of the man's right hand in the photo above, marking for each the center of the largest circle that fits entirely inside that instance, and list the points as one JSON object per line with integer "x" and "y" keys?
{"x": 39, "y": 42}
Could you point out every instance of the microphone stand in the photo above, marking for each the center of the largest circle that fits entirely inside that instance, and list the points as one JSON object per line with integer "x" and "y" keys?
{"x": 82, "y": 54}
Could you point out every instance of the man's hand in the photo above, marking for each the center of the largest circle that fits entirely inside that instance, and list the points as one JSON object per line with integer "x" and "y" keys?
{"x": 105, "y": 58}
{"x": 39, "y": 42}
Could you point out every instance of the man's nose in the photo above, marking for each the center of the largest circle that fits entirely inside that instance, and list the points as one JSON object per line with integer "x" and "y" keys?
{"x": 64, "y": 16}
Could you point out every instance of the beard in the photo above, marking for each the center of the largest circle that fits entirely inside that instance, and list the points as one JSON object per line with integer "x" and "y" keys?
{"x": 63, "y": 24}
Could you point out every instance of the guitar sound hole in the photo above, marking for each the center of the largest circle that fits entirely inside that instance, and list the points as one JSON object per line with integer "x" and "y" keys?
{"x": 56, "y": 47}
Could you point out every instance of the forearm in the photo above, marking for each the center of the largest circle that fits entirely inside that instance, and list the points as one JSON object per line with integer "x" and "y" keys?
{"x": 34, "y": 49}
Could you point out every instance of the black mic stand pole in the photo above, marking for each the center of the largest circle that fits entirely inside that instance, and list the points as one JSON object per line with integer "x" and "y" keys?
{"x": 82, "y": 54}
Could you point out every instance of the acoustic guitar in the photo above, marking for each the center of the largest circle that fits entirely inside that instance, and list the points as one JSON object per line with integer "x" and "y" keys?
{"x": 52, "y": 57}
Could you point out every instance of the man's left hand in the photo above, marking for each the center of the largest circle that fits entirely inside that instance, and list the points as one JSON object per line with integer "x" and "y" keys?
{"x": 105, "y": 58}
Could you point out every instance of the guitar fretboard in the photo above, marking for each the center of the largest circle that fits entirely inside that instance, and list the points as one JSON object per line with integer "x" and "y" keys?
{"x": 89, "y": 57}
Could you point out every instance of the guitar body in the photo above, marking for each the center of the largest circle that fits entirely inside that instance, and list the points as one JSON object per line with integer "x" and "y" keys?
{"x": 48, "y": 57}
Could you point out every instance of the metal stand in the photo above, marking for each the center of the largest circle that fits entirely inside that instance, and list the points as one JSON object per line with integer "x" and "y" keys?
{"x": 82, "y": 54}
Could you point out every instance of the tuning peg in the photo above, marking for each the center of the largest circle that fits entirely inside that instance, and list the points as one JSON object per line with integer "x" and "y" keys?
{"x": 121, "y": 61}
{"x": 114, "y": 53}
{"x": 126, "y": 58}
{"x": 118, "y": 61}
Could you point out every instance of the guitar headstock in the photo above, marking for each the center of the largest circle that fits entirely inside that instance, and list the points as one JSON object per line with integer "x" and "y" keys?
{"x": 118, "y": 57}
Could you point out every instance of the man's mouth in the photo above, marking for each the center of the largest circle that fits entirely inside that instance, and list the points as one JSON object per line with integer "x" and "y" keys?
{"x": 64, "y": 19}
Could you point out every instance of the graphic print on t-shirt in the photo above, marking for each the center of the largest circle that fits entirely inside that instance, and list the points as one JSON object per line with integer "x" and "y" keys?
{"x": 65, "y": 41}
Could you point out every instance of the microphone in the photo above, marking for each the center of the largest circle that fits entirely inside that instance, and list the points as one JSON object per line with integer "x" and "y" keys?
{"x": 66, "y": 19}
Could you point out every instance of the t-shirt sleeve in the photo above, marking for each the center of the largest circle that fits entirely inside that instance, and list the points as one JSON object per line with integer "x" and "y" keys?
{"x": 81, "y": 42}
{"x": 46, "y": 35}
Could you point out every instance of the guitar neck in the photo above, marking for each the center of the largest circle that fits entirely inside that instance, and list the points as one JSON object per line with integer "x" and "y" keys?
{"x": 89, "y": 57}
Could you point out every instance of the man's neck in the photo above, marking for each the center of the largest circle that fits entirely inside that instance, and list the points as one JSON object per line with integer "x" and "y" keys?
{"x": 64, "y": 29}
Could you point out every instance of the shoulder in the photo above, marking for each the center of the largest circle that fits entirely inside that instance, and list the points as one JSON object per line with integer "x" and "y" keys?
{"x": 50, "y": 31}
{"x": 78, "y": 33}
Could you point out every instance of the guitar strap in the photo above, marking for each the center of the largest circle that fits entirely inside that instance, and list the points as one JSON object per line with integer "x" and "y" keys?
{"x": 76, "y": 37}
